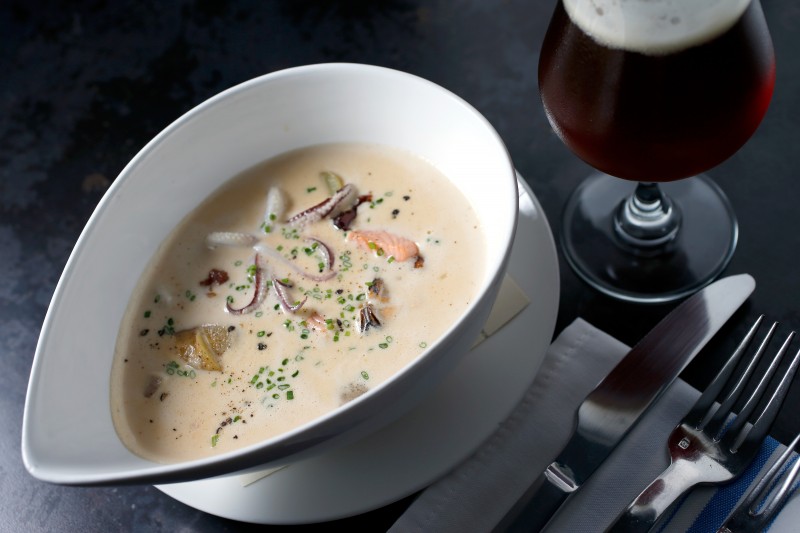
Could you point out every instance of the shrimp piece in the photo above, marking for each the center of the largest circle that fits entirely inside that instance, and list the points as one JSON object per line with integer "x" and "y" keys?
{"x": 385, "y": 243}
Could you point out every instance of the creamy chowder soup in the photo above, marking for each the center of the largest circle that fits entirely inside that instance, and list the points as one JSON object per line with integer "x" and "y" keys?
{"x": 299, "y": 285}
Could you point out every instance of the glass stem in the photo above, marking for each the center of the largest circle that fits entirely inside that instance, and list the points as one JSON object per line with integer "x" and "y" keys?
{"x": 647, "y": 218}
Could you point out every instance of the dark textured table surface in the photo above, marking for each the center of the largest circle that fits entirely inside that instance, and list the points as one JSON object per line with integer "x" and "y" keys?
{"x": 83, "y": 88}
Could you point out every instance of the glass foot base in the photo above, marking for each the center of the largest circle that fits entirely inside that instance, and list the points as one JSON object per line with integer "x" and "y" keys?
{"x": 700, "y": 252}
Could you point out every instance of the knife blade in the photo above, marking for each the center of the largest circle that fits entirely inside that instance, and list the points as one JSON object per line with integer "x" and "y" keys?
{"x": 609, "y": 412}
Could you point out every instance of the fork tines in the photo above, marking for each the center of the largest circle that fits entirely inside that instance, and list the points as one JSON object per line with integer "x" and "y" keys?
{"x": 712, "y": 418}
{"x": 759, "y": 506}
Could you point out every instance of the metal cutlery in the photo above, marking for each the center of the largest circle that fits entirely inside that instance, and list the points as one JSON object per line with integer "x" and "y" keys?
{"x": 766, "y": 497}
{"x": 610, "y": 411}
{"x": 708, "y": 446}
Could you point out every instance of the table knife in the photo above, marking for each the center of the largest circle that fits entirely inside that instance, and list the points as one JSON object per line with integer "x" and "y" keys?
{"x": 610, "y": 411}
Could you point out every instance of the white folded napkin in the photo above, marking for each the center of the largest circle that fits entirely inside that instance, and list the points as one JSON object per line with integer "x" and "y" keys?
{"x": 478, "y": 493}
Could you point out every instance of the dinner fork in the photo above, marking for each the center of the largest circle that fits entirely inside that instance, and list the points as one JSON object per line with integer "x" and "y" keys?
{"x": 711, "y": 445}
{"x": 764, "y": 500}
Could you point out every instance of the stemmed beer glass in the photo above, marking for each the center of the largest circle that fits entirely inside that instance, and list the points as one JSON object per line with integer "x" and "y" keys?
{"x": 654, "y": 92}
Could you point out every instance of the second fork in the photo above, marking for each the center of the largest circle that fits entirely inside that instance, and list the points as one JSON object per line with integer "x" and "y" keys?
{"x": 707, "y": 446}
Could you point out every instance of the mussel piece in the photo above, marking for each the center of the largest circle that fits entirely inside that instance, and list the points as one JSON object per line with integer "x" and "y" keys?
{"x": 367, "y": 318}
{"x": 377, "y": 289}
{"x": 202, "y": 347}
{"x": 345, "y": 219}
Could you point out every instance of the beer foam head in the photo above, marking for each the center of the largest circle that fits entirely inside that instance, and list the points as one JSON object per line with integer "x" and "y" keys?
{"x": 654, "y": 26}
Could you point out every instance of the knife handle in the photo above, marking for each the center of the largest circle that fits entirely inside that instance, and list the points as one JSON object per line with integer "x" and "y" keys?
{"x": 548, "y": 493}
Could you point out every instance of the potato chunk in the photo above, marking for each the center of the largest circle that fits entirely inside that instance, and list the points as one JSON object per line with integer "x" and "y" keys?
{"x": 202, "y": 347}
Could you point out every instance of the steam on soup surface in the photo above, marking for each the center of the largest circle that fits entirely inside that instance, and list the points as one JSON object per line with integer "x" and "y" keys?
{"x": 299, "y": 285}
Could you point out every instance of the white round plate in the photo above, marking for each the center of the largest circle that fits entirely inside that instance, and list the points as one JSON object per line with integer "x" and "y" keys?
{"x": 425, "y": 444}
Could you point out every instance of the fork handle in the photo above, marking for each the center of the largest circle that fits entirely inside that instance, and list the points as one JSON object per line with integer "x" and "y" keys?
{"x": 643, "y": 513}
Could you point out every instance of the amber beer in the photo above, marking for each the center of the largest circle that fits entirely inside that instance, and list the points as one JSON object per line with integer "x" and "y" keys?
{"x": 649, "y": 106}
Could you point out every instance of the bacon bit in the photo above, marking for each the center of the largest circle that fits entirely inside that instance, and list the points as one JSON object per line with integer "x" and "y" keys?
{"x": 367, "y": 318}
{"x": 419, "y": 262}
{"x": 343, "y": 220}
{"x": 385, "y": 243}
{"x": 259, "y": 293}
{"x": 327, "y": 207}
{"x": 215, "y": 276}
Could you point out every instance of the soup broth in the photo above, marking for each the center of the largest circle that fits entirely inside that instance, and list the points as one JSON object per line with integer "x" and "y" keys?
{"x": 299, "y": 285}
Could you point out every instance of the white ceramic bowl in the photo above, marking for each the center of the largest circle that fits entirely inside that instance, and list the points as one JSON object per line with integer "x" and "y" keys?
{"x": 68, "y": 436}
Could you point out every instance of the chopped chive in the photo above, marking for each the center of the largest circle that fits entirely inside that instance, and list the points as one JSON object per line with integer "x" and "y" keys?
{"x": 364, "y": 374}
{"x": 214, "y": 439}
